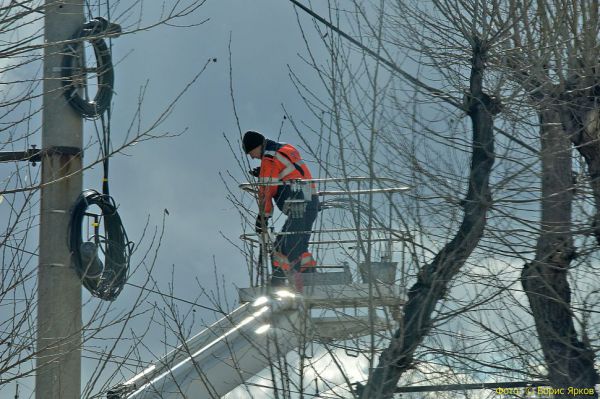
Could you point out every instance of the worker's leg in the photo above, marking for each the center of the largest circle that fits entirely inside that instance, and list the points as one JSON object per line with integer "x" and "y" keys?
{"x": 305, "y": 262}
{"x": 278, "y": 278}
{"x": 280, "y": 262}
{"x": 292, "y": 241}
{"x": 291, "y": 249}
{"x": 281, "y": 266}
{"x": 288, "y": 246}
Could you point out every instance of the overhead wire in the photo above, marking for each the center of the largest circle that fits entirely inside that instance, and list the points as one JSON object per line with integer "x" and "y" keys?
{"x": 140, "y": 287}
{"x": 175, "y": 298}
{"x": 95, "y": 27}
{"x": 106, "y": 125}
{"x": 395, "y": 68}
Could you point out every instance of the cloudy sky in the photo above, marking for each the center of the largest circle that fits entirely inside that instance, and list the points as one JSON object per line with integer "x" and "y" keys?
{"x": 183, "y": 174}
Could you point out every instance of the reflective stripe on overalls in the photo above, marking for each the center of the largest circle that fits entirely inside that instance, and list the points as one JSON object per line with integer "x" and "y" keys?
{"x": 307, "y": 261}
{"x": 281, "y": 261}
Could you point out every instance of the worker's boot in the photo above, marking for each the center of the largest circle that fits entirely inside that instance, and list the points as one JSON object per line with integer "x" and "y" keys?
{"x": 278, "y": 278}
{"x": 305, "y": 263}
{"x": 308, "y": 264}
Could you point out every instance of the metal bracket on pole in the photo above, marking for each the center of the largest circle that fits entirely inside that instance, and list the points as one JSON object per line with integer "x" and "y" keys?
{"x": 32, "y": 155}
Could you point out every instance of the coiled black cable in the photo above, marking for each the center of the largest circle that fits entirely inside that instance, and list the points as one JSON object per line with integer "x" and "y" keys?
{"x": 74, "y": 71}
{"x": 106, "y": 281}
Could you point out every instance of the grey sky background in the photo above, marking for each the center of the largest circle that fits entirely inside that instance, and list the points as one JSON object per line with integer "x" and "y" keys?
{"x": 181, "y": 174}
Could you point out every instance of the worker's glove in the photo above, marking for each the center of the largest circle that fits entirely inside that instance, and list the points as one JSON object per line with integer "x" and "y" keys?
{"x": 255, "y": 172}
{"x": 260, "y": 224}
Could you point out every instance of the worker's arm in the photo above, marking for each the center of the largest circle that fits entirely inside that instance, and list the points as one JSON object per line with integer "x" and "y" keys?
{"x": 269, "y": 179}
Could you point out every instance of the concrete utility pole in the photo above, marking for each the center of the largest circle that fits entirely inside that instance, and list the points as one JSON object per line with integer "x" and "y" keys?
{"x": 58, "y": 373}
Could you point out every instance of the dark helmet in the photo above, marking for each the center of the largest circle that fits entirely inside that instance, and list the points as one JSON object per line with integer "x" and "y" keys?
{"x": 252, "y": 140}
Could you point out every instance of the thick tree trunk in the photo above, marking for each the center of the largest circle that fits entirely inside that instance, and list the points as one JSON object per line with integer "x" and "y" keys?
{"x": 434, "y": 279}
{"x": 582, "y": 122}
{"x": 570, "y": 362}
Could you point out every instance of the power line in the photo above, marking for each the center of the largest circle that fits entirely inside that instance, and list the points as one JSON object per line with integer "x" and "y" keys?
{"x": 136, "y": 286}
{"x": 395, "y": 68}
{"x": 436, "y": 92}
{"x": 175, "y": 298}
{"x": 19, "y": 249}
{"x": 468, "y": 387}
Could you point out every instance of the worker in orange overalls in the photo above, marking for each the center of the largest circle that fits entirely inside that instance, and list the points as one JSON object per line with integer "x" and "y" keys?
{"x": 281, "y": 178}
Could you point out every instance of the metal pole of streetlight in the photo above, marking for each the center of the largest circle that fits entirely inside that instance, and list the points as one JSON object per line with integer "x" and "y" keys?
{"x": 58, "y": 368}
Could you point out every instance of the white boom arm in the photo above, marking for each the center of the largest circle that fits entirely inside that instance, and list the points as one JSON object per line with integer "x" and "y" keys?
{"x": 223, "y": 356}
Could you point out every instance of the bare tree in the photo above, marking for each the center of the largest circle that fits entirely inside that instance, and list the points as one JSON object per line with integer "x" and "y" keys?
{"x": 107, "y": 330}
{"x": 397, "y": 108}
{"x": 467, "y": 40}
{"x": 429, "y": 42}
{"x": 465, "y": 318}
{"x": 554, "y": 56}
